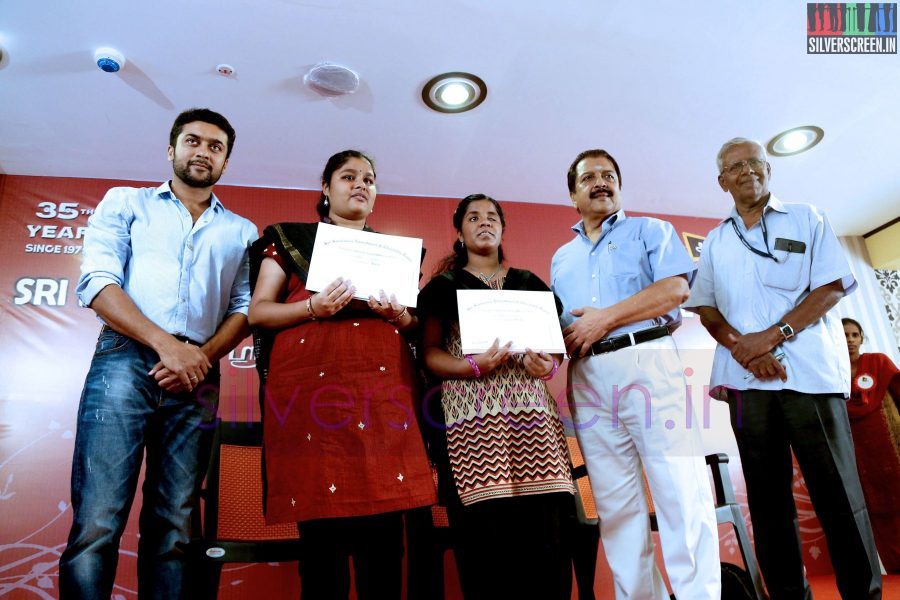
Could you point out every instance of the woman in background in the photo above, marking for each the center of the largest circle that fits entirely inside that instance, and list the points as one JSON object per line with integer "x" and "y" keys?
{"x": 344, "y": 456}
{"x": 506, "y": 445}
{"x": 875, "y": 423}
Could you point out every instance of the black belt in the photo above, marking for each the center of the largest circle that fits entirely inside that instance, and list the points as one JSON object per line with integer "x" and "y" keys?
{"x": 180, "y": 338}
{"x": 629, "y": 339}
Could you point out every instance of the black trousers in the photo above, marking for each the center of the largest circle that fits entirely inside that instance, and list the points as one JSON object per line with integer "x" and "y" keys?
{"x": 768, "y": 425}
{"x": 374, "y": 543}
{"x": 514, "y": 547}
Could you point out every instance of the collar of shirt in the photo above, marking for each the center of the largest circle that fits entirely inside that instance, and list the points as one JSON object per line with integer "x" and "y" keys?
{"x": 165, "y": 191}
{"x": 606, "y": 226}
{"x": 773, "y": 204}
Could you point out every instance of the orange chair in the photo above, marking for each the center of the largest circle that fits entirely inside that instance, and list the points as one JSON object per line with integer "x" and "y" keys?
{"x": 743, "y": 582}
{"x": 234, "y": 529}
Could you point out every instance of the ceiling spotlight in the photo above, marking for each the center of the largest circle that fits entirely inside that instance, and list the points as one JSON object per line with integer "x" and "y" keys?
{"x": 794, "y": 141}
{"x": 454, "y": 92}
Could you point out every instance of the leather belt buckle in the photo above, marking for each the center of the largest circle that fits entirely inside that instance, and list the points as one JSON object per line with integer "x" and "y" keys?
{"x": 626, "y": 340}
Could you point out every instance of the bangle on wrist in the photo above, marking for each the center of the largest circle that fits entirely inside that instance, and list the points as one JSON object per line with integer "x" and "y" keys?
{"x": 474, "y": 366}
{"x": 552, "y": 372}
{"x": 398, "y": 317}
{"x": 312, "y": 314}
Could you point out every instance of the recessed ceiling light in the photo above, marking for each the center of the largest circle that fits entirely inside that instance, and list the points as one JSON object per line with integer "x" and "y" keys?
{"x": 454, "y": 92}
{"x": 794, "y": 141}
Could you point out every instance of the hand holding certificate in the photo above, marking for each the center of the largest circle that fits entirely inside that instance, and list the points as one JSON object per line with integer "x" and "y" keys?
{"x": 527, "y": 319}
{"x": 373, "y": 261}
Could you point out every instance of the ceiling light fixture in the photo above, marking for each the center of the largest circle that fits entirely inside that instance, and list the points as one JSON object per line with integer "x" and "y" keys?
{"x": 454, "y": 92}
{"x": 794, "y": 141}
{"x": 329, "y": 79}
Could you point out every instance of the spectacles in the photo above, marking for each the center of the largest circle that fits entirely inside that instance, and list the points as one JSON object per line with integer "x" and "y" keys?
{"x": 756, "y": 165}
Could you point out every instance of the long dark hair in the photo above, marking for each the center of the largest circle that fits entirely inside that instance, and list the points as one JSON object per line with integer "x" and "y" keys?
{"x": 459, "y": 258}
{"x": 334, "y": 163}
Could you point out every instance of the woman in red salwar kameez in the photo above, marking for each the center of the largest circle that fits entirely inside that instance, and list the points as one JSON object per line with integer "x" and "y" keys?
{"x": 875, "y": 423}
{"x": 344, "y": 456}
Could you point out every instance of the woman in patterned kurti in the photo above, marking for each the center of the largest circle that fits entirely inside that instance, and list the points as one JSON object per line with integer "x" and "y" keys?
{"x": 343, "y": 451}
{"x": 506, "y": 444}
{"x": 875, "y": 424}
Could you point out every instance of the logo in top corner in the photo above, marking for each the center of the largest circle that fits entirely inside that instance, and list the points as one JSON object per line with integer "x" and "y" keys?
{"x": 851, "y": 28}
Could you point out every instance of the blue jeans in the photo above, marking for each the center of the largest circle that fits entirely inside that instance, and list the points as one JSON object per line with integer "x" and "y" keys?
{"x": 123, "y": 412}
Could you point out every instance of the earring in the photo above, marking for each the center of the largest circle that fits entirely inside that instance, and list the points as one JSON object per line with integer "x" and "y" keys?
{"x": 462, "y": 244}
{"x": 326, "y": 201}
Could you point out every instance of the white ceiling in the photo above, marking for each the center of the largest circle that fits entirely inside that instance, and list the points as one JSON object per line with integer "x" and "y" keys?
{"x": 659, "y": 84}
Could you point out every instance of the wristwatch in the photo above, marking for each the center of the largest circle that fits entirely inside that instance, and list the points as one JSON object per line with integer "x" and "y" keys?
{"x": 786, "y": 330}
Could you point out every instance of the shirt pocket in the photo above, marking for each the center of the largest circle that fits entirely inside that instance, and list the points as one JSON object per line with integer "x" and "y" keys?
{"x": 623, "y": 259}
{"x": 786, "y": 274}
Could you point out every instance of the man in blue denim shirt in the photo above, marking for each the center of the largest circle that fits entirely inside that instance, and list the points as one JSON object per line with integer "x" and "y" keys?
{"x": 621, "y": 279}
{"x": 166, "y": 270}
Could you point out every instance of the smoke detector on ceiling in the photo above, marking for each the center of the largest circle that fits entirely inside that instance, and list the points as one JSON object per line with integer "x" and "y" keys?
{"x": 330, "y": 79}
{"x": 109, "y": 60}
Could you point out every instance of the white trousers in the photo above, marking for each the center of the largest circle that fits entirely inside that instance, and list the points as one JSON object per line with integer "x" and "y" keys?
{"x": 630, "y": 416}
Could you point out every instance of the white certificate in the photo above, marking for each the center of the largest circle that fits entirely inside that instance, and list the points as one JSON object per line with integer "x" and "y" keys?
{"x": 372, "y": 261}
{"x": 527, "y": 319}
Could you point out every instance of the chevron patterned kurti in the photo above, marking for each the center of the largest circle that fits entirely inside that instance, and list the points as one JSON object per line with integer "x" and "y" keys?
{"x": 504, "y": 435}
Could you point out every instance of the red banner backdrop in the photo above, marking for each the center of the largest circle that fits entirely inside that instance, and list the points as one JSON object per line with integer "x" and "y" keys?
{"x": 48, "y": 341}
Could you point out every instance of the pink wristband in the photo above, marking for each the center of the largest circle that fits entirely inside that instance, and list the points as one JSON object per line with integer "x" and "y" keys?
{"x": 474, "y": 366}
{"x": 552, "y": 372}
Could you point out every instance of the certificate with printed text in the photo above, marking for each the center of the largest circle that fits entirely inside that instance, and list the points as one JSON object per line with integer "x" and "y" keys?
{"x": 372, "y": 261}
{"x": 527, "y": 319}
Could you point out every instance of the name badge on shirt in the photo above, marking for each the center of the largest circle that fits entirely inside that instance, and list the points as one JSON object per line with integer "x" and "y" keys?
{"x": 865, "y": 382}
{"x": 611, "y": 247}
{"x": 787, "y": 245}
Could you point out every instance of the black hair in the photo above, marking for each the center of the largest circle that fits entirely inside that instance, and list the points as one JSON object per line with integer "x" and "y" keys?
{"x": 334, "y": 163}
{"x": 460, "y": 256}
{"x": 595, "y": 153}
{"x": 849, "y": 321}
{"x": 204, "y": 115}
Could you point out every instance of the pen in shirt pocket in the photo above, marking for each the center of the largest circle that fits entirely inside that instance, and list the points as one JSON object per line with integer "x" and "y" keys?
{"x": 779, "y": 357}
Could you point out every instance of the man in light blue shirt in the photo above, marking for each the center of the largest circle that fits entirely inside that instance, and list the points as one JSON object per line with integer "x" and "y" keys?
{"x": 621, "y": 280}
{"x": 769, "y": 274}
{"x": 166, "y": 270}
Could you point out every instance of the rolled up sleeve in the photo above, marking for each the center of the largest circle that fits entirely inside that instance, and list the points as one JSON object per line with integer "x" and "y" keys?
{"x": 239, "y": 301}
{"x": 107, "y": 246}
